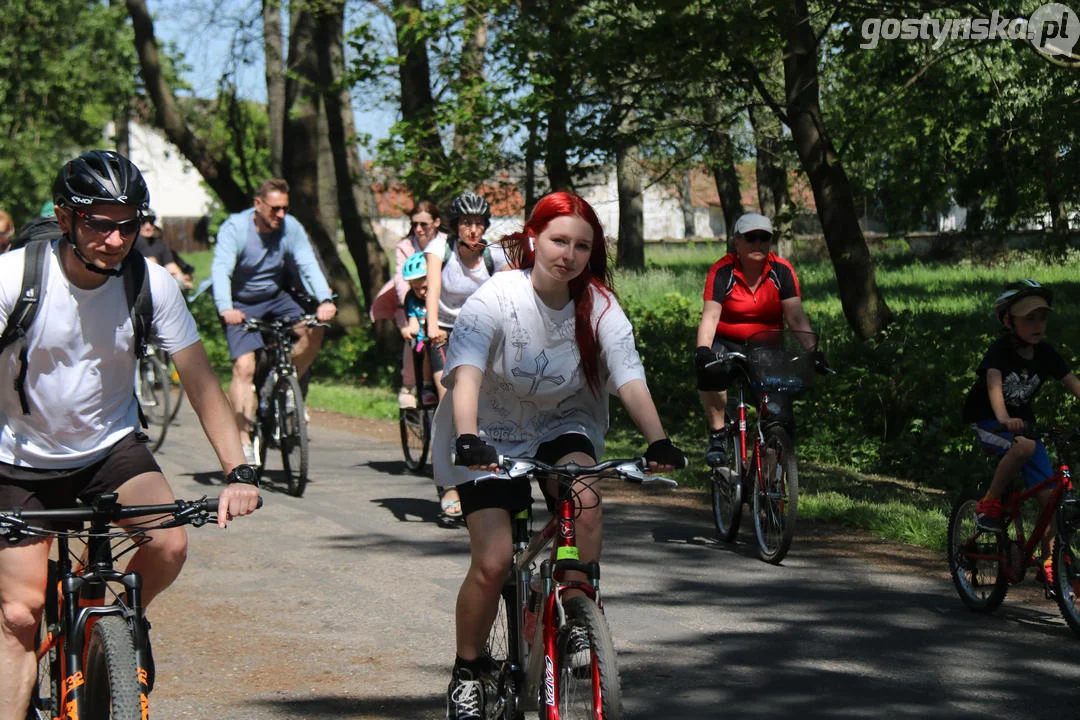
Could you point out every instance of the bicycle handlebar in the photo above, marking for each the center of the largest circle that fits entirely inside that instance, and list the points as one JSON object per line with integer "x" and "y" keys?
{"x": 183, "y": 512}
{"x": 259, "y": 324}
{"x": 629, "y": 469}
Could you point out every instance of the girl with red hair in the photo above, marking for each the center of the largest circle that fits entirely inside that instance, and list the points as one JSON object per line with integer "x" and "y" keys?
{"x": 534, "y": 355}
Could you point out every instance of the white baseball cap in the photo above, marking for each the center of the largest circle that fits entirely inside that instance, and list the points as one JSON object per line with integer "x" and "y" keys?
{"x": 751, "y": 222}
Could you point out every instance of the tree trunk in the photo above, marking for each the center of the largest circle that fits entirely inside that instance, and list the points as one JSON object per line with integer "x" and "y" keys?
{"x": 772, "y": 181}
{"x": 213, "y": 167}
{"x": 862, "y": 302}
{"x": 414, "y": 74}
{"x": 558, "y": 55}
{"x": 722, "y": 164}
{"x": 275, "y": 81}
{"x": 532, "y": 156}
{"x": 631, "y": 209}
{"x": 686, "y": 203}
{"x": 301, "y": 159}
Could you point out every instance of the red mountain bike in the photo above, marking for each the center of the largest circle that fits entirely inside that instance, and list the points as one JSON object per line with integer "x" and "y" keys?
{"x": 530, "y": 641}
{"x": 984, "y": 564}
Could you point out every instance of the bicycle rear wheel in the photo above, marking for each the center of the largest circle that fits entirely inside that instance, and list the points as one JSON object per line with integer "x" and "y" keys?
{"x": 591, "y": 692}
{"x": 501, "y": 647}
{"x": 112, "y": 681}
{"x": 153, "y": 387}
{"x": 727, "y": 496}
{"x": 776, "y": 496}
{"x": 1066, "y": 565}
{"x": 975, "y": 558}
{"x": 415, "y": 436}
{"x": 294, "y": 438}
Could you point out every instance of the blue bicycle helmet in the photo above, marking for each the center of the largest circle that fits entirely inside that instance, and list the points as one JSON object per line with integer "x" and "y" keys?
{"x": 415, "y": 267}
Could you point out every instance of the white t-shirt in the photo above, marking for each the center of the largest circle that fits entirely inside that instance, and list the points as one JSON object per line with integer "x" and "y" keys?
{"x": 533, "y": 389}
{"x": 80, "y": 366}
{"x": 458, "y": 281}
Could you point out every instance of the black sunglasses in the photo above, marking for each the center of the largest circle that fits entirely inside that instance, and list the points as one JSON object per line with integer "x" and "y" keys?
{"x": 757, "y": 237}
{"x": 102, "y": 226}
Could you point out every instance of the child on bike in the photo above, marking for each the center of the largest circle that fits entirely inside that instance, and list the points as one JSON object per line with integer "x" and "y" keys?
{"x": 999, "y": 404}
{"x": 414, "y": 271}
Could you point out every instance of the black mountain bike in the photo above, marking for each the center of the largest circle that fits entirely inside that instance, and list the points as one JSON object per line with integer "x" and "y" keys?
{"x": 93, "y": 652}
{"x": 279, "y": 417}
{"x": 415, "y": 422}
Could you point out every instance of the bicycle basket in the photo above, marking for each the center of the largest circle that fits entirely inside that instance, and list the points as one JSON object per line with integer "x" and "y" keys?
{"x": 781, "y": 361}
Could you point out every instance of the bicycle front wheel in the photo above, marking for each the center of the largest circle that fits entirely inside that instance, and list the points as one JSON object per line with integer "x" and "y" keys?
{"x": 294, "y": 439}
{"x": 176, "y": 390}
{"x": 1066, "y": 566}
{"x": 153, "y": 387}
{"x": 112, "y": 682}
{"x": 590, "y": 691}
{"x": 776, "y": 496}
{"x": 45, "y": 701}
{"x": 975, "y": 558}
{"x": 415, "y": 436}
{"x": 727, "y": 496}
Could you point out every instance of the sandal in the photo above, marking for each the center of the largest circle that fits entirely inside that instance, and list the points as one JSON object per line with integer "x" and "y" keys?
{"x": 451, "y": 507}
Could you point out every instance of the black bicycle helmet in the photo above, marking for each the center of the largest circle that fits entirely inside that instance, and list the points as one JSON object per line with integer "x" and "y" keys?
{"x": 101, "y": 176}
{"x": 469, "y": 204}
{"x": 1016, "y": 291}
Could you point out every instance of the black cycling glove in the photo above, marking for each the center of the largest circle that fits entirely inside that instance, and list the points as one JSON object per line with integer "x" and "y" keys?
{"x": 662, "y": 452}
{"x": 471, "y": 450}
{"x": 704, "y": 355}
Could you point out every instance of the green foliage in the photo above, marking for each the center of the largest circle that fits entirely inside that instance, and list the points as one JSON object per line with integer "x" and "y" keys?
{"x": 66, "y": 66}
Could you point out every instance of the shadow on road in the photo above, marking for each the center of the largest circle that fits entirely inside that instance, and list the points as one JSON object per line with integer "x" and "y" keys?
{"x": 396, "y": 467}
{"x": 325, "y": 706}
{"x": 411, "y": 509}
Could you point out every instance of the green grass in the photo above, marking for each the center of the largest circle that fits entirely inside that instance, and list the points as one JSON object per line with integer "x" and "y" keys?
{"x": 372, "y": 402}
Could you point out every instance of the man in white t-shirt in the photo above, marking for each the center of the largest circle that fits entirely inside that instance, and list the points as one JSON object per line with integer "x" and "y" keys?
{"x": 79, "y": 436}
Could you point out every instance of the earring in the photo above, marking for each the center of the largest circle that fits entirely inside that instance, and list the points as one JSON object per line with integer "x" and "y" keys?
{"x": 532, "y": 244}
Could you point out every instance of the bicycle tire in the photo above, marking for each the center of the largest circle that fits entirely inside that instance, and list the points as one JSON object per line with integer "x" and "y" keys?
{"x": 289, "y": 400}
{"x": 592, "y": 692}
{"x": 776, "y": 496}
{"x": 415, "y": 425}
{"x": 1066, "y": 566}
{"x": 981, "y": 583}
{"x": 153, "y": 385}
{"x": 112, "y": 681}
{"x": 503, "y": 701}
{"x": 727, "y": 491}
{"x": 176, "y": 390}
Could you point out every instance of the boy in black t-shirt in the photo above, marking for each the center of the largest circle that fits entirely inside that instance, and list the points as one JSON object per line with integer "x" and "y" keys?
{"x": 1009, "y": 376}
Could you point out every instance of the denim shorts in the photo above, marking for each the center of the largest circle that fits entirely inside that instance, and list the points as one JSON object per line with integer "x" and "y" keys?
{"x": 1036, "y": 470}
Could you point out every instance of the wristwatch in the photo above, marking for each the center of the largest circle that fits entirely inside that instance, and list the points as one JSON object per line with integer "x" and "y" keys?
{"x": 243, "y": 474}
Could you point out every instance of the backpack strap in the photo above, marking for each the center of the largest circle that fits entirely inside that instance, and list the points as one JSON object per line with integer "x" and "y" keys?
{"x": 26, "y": 309}
{"x": 141, "y": 307}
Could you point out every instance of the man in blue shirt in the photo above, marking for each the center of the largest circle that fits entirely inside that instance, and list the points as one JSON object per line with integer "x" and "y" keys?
{"x": 258, "y": 255}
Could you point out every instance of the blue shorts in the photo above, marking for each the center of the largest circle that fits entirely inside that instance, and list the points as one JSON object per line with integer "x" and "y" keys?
{"x": 242, "y": 341}
{"x": 1036, "y": 470}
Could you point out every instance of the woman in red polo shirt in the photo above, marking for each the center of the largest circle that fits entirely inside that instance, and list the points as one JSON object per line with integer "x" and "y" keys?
{"x": 747, "y": 291}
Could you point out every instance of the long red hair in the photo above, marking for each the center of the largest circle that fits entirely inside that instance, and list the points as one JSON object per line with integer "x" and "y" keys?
{"x": 521, "y": 254}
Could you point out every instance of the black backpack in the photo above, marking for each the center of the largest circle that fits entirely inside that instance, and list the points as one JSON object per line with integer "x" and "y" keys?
{"x": 136, "y": 288}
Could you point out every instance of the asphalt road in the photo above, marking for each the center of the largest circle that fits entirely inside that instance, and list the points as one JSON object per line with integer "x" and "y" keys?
{"x": 340, "y": 605}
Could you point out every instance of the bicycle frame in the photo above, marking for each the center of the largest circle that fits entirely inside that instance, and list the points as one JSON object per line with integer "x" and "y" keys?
{"x": 748, "y": 470}
{"x": 1060, "y": 481}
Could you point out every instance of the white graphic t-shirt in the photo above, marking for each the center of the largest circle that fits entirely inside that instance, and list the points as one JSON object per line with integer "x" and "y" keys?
{"x": 533, "y": 389}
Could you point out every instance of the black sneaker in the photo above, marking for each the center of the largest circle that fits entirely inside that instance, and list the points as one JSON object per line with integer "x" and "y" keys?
{"x": 716, "y": 454}
{"x": 465, "y": 696}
